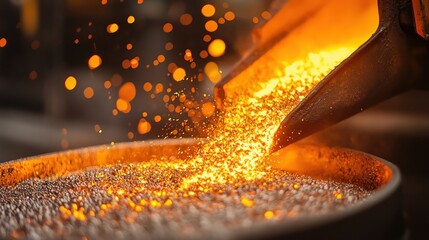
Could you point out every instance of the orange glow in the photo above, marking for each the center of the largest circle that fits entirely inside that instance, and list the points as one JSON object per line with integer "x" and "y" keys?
{"x": 204, "y": 54}
{"x": 212, "y": 71}
{"x": 134, "y": 63}
{"x": 267, "y": 90}
{"x": 168, "y": 46}
{"x": 207, "y": 38}
{"x": 70, "y": 83}
{"x": 127, "y": 92}
{"x": 140, "y": 1}
{"x": 266, "y": 15}
{"x": 103, "y": 2}
{"x": 338, "y": 195}
{"x": 217, "y": 48}
{"x": 208, "y": 10}
{"x": 94, "y": 61}
{"x": 147, "y": 86}
{"x": 126, "y": 64}
{"x": 130, "y": 135}
{"x": 32, "y": 75}
{"x": 129, "y": 46}
{"x": 168, "y": 27}
{"x": 208, "y": 109}
{"x": 3, "y": 42}
{"x": 123, "y": 105}
{"x": 88, "y": 92}
{"x": 179, "y": 74}
{"x": 186, "y": 19}
{"x": 159, "y": 88}
{"x": 107, "y": 84}
{"x": 229, "y": 16}
{"x": 269, "y": 214}
{"x": 172, "y": 67}
{"x": 112, "y": 28}
{"x": 30, "y": 17}
{"x": 211, "y": 26}
{"x": 157, "y": 118}
{"x": 161, "y": 58}
{"x": 221, "y": 20}
{"x": 166, "y": 98}
{"x": 144, "y": 127}
{"x": 131, "y": 19}
{"x": 255, "y": 20}
{"x": 247, "y": 202}
{"x": 182, "y": 98}
{"x": 188, "y": 55}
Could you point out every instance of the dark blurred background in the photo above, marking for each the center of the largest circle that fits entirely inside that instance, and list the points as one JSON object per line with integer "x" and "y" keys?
{"x": 48, "y": 40}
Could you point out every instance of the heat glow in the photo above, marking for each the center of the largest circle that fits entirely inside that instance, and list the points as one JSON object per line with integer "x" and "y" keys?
{"x": 242, "y": 137}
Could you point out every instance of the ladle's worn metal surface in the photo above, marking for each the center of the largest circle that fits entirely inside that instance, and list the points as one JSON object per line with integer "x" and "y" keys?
{"x": 393, "y": 60}
{"x": 377, "y": 217}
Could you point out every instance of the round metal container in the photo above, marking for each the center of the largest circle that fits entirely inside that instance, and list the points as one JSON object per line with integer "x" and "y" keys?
{"x": 378, "y": 217}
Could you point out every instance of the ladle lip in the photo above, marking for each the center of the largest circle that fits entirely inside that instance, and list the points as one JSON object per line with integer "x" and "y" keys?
{"x": 283, "y": 227}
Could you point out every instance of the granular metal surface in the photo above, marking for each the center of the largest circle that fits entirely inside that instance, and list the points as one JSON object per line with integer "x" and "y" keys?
{"x": 134, "y": 201}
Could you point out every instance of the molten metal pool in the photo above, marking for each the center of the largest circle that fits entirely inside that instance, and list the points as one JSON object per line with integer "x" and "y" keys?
{"x": 136, "y": 190}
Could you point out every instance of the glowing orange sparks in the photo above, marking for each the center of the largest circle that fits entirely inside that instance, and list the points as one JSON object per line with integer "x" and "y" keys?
{"x": 208, "y": 10}
{"x": 3, "y": 42}
{"x": 179, "y": 74}
{"x": 70, "y": 83}
{"x": 112, "y": 28}
{"x": 94, "y": 61}
{"x": 217, "y": 48}
{"x": 168, "y": 27}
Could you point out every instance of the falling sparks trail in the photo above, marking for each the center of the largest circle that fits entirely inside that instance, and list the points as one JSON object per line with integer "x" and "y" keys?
{"x": 242, "y": 138}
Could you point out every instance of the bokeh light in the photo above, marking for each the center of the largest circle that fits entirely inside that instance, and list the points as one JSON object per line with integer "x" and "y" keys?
{"x": 217, "y": 48}
{"x": 112, "y": 28}
{"x": 3, "y": 42}
{"x": 179, "y": 74}
{"x": 208, "y": 10}
{"x": 94, "y": 61}
{"x": 70, "y": 83}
